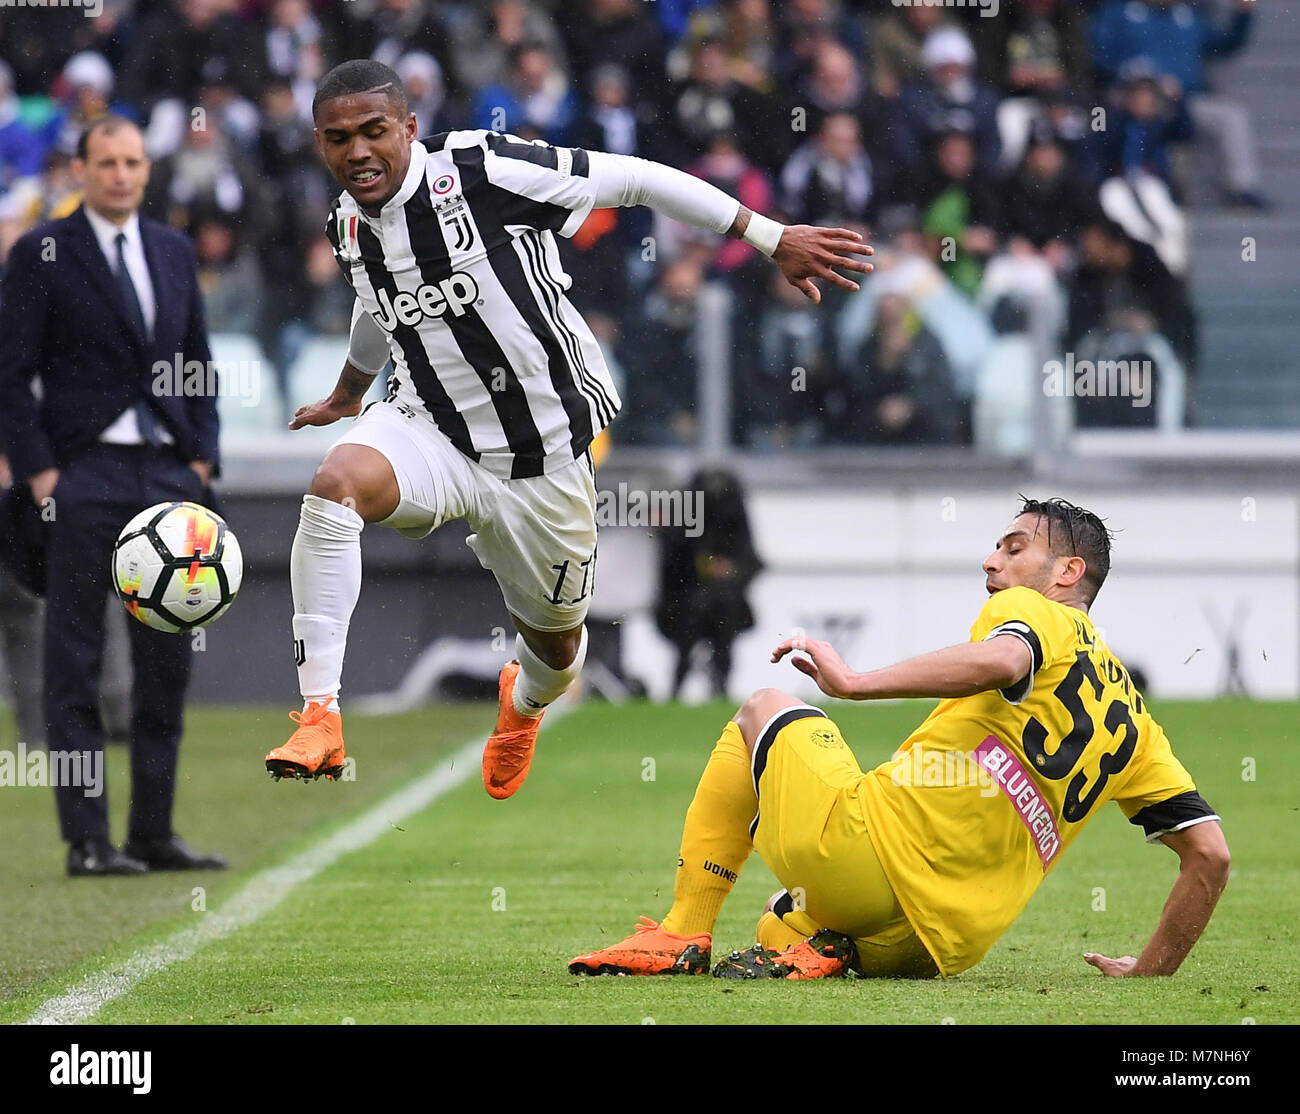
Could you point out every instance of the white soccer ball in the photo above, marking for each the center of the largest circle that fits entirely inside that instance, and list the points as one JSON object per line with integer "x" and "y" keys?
{"x": 177, "y": 566}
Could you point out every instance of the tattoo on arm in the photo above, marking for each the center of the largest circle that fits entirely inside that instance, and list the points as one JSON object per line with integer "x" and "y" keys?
{"x": 353, "y": 383}
{"x": 738, "y": 226}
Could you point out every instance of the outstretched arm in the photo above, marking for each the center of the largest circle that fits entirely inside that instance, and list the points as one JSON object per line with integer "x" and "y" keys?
{"x": 963, "y": 670}
{"x": 803, "y": 252}
{"x": 1202, "y": 876}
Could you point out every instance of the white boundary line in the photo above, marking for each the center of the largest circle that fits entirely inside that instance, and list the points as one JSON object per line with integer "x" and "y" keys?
{"x": 262, "y": 893}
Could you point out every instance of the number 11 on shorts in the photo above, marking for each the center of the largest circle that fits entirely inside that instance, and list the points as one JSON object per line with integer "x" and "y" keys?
{"x": 588, "y": 579}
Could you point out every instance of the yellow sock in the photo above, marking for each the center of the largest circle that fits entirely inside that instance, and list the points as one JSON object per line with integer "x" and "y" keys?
{"x": 715, "y": 840}
{"x": 774, "y": 934}
{"x": 777, "y": 933}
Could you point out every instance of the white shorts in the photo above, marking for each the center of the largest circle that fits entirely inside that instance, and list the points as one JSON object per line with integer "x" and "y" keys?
{"x": 537, "y": 536}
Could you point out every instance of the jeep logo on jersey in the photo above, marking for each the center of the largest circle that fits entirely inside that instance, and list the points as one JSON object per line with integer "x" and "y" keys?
{"x": 457, "y": 291}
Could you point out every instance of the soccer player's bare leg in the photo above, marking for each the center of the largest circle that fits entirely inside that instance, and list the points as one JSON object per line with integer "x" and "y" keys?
{"x": 360, "y": 478}
{"x": 354, "y": 485}
{"x": 757, "y": 712}
{"x": 547, "y": 663}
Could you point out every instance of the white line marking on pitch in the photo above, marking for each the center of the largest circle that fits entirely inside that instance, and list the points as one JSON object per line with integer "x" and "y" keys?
{"x": 262, "y": 893}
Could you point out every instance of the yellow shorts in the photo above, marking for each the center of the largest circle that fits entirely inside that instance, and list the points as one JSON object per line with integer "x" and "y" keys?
{"x": 812, "y": 833}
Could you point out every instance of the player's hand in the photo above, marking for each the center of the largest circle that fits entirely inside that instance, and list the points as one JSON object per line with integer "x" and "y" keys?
{"x": 822, "y": 664}
{"x": 806, "y": 252}
{"x": 1116, "y": 968}
{"x": 43, "y": 485}
{"x": 202, "y": 469}
{"x": 325, "y": 412}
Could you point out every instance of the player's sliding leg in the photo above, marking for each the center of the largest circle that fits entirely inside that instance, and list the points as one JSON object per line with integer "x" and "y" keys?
{"x": 546, "y": 665}
{"x": 716, "y": 841}
{"x": 839, "y": 912}
{"x": 354, "y": 485}
{"x": 715, "y": 844}
{"x": 791, "y": 944}
{"x": 812, "y": 837}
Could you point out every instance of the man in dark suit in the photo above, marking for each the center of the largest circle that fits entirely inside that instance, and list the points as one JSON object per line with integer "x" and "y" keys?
{"x": 89, "y": 304}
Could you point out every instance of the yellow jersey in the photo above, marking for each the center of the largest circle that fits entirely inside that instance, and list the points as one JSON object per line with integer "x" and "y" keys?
{"x": 985, "y": 796}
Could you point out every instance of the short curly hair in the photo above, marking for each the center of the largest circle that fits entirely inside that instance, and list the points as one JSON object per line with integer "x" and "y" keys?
{"x": 361, "y": 75}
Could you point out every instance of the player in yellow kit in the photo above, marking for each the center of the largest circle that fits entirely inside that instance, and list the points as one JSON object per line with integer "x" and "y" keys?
{"x": 918, "y": 866}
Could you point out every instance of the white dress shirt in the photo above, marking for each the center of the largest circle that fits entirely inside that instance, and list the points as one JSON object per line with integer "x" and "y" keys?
{"x": 125, "y": 429}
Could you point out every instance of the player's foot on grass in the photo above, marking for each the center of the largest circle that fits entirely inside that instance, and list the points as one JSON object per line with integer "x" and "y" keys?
{"x": 650, "y": 950}
{"x": 314, "y": 750}
{"x": 508, "y": 755}
{"x": 826, "y": 955}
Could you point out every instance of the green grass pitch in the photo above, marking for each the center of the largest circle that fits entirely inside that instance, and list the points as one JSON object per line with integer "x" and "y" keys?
{"x": 470, "y": 910}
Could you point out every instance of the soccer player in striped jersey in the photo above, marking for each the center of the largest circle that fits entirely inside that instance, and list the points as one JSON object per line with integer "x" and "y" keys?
{"x": 498, "y": 385}
{"x": 915, "y": 868}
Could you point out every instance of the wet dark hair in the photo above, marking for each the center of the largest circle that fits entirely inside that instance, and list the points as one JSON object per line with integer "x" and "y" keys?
{"x": 1079, "y": 533}
{"x": 361, "y": 75}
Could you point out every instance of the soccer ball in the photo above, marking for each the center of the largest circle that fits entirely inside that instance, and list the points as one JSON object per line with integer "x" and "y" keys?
{"x": 177, "y": 566}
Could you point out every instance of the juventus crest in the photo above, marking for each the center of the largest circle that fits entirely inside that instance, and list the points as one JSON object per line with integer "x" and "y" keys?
{"x": 453, "y": 213}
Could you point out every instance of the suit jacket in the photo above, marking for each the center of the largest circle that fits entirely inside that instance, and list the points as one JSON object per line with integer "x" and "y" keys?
{"x": 62, "y": 318}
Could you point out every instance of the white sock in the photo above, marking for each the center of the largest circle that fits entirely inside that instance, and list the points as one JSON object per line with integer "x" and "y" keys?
{"x": 325, "y": 572}
{"x": 538, "y": 684}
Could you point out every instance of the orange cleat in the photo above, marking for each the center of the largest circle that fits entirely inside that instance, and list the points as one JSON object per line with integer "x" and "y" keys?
{"x": 827, "y": 955}
{"x": 509, "y": 751}
{"x": 314, "y": 750}
{"x": 650, "y": 950}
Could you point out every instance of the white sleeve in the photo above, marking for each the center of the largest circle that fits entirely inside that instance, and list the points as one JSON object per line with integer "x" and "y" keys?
{"x": 368, "y": 343}
{"x": 619, "y": 180}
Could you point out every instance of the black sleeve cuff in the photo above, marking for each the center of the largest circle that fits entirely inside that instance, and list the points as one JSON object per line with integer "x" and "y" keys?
{"x": 1173, "y": 815}
{"x": 1026, "y": 633}
{"x": 1015, "y": 694}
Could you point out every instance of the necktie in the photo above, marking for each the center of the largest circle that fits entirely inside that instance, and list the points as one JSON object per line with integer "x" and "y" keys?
{"x": 150, "y": 427}
{"x": 129, "y": 297}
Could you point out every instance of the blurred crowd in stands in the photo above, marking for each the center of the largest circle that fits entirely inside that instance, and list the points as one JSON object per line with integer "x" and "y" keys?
{"x": 1022, "y": 169}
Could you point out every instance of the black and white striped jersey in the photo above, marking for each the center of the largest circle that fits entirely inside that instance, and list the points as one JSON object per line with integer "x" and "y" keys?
{"x": 461, "y": 271}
